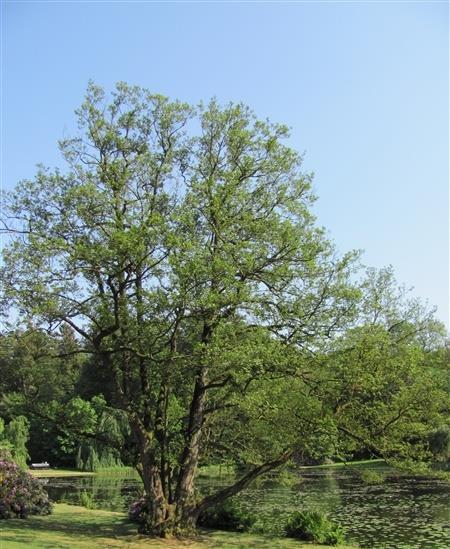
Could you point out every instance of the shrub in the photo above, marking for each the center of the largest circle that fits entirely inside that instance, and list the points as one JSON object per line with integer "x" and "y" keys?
{"x": 5, "y": 451}
{"x": 20, "y": 493}
{"x": 314, "y": 526}
{"x": 439, "y": 442}
{"x": 369, "y": 476}
{"x": 137, "y": 511}
{"x": 227, "y": 516}
{"x": 86, "y": 500}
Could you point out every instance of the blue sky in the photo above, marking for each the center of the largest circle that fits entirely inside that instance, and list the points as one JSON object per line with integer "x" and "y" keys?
{"x": 364, "y": 87}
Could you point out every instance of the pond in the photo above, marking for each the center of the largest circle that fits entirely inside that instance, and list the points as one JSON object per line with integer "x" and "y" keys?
{"x": 403, "y": 512}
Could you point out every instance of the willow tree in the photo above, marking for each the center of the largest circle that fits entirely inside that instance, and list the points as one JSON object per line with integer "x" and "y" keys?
{"x": 179, "y": 244}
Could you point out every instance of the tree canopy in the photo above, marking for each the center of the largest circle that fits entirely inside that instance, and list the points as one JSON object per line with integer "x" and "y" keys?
{"x": 179, "y": 246}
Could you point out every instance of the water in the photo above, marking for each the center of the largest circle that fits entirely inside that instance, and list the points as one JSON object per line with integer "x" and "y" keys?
{"x": 403, "y": 512}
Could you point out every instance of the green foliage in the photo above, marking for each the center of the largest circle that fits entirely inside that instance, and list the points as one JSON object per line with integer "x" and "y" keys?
{"x": 30, "y": 366}
{"x": 35, "y": 382}
{"x": 314, "y": 526}
{"x": 17, "y": 433}
{"x": 386, "y": 391}
{"x": 439, "y": 441}
{"x": 179, "y": 251}
{"x": 280, "y": 477}
{"x": 5, "y": 445}
{"x": 103, "y": 452}
{"x": 86, "y": 457}
{"x": 13, "y": 440}
{"x": 86, "y": 500}
{"x": 227, "y": 516}
{"x": 75, "y": 417}
{"x": 369, "y": 476}
{"x": 288, "y": 478}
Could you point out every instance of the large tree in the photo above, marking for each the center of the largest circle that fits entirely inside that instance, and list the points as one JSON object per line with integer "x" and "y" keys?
{"x": 179, "y": 244}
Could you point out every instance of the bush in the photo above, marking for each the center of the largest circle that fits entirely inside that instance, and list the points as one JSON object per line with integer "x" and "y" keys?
{"x": 369, "y": 476}
{"x": 5, "y": 451}
{"x": 227, "y": 516}
{"x": 314, "y": 526}
{"x": 138, "y": 511}
{"x": 20, "y": 493}
{"x": 86, "y": 500}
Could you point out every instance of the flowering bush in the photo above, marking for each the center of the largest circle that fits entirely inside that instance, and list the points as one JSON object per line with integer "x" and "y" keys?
{"x": 20, "y": 493}
{"x": 137, "y": 511}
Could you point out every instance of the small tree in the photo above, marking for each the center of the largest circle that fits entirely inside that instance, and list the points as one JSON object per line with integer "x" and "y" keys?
{"x": 13, "y": 440}
{"x": 17, "y": 433}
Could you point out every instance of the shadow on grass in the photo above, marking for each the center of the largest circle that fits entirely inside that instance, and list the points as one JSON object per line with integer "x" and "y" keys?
{"x": 72, "y": 527}
{"x": 74, "y": 523}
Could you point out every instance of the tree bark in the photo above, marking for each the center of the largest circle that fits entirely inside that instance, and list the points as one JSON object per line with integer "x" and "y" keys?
{"x": 158, "y": 510}
{"x": 184, "y": 493}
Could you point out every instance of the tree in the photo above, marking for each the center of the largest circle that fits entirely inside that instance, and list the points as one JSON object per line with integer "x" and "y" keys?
{"x": 13, "y": 440}
{"x": 180, "y": 246}
{"x": 389, "y": 385}
{"x": 92, "y": 453}
{"x": 39, "y": 372}
{"x": 17, "y": 433}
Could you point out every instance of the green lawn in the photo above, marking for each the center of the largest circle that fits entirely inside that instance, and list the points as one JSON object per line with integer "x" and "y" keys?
{"x": 362, "y": 462}
{"x": 71, "y": 527}
{"x": 45, "y": 473}
{"x": 205, "y": 471}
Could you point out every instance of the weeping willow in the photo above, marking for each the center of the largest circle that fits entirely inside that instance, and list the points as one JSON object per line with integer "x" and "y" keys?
{"x": 93, "y": 454}
{"x": 14, "y": 438}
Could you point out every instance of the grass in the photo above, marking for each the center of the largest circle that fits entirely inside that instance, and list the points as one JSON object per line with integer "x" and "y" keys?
{"x": 204, "y": 471}
{"x": 72, "y": 527}
{"x": 112, "y": 471}
{"x": 45, "y": 473}
{"x": 367, "y": 462}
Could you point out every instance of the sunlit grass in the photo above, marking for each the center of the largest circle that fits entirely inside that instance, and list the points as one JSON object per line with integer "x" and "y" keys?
{"x": 46, "y": 473}
{"x": 106, "y": 471}
{"x": 363, "y": 462}
{"x": 204, "y": 471}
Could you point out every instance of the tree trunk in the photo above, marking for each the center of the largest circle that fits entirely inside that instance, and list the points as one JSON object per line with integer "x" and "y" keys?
{"x": 184, "y": 494}
{"x": 158, "y": 511}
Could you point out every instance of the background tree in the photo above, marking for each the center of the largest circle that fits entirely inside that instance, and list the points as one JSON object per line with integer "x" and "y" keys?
{"x": 39, "y": 371}
{"x": 13, "y": 440}
{"x": 388, "y": 383}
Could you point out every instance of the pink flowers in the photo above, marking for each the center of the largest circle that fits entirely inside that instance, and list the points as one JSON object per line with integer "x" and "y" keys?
{"x": 20, "y": 493}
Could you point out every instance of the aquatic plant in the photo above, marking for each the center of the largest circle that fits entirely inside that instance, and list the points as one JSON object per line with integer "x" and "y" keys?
{"x": 87, "y": 500}
{"x": 369, "y": 476}
{"x": 314, "y": 526}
